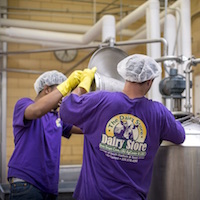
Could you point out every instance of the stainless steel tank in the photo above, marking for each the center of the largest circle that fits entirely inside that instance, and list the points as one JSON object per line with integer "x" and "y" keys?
{"x": 176, "y": 172}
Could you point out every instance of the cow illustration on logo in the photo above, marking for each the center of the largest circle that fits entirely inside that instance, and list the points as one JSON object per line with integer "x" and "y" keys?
{"x": 126, "y": 126}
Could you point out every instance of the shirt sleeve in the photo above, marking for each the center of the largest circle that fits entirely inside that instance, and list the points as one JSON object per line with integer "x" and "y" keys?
{"x": 78, "y": 110}
{"x": 18, "y": 115}
{"x": 172, "y": 130}
{"x": 18, "y": 118}
{"x": 66, "y": 130}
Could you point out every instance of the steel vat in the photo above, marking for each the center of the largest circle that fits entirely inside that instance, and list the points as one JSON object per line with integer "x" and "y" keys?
{"x": 176, "y": 172}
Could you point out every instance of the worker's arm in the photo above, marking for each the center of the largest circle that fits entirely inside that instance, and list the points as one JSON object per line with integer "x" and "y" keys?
{"x": 76, "y": 130}
{"x": 43, "y": 105}
{"x": 85, "y": 81}
{"x": 51, "y": 100}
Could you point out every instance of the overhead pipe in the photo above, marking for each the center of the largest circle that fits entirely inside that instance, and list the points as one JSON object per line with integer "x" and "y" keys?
{"x": 105, "y": 26}
{"x": 73, "y": 28}
{"x": 40, "y": 72}
{"x": 170, "y": 58}
{"x": 141, "y": 32}
{"x": 46, "y": 43}
{"x": 41, "y": 35}
{"x": 122, "y": 43}
{"x": 129, "y": 19}
{"x": 132, "y": 17}
{"x": 4, "y": 38}
{"x": 146, "y": 41}
{"x": 50, "y": 26}
{"x": 55, "y": 49}
{"x": 43, "y": 43}
{"x": 139, "y": 13}
{"x": 171, "y": 9}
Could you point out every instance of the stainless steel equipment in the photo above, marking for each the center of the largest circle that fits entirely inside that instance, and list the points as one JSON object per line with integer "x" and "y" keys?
{"x": 107, "y": 77}
{"x": 176, "y": 173}
{"x": 172, "y": 88}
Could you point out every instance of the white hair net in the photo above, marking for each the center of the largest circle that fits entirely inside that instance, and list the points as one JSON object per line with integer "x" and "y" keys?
{"x": 138, "y": 68}
{"x": 48, "y": 78}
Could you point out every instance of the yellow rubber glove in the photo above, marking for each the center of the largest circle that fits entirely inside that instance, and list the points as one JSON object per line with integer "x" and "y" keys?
{"x": 87, "y": 78}
{"x": 72, "y": 81}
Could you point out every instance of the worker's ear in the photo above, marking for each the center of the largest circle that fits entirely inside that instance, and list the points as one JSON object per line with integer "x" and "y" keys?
{"x": 47, "y": 89}
{"x": 149, "y": 82}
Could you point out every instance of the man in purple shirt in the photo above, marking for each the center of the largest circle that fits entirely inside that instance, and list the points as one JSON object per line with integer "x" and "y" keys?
{"x": 34, "y": 165}
{"x": 122, "y": 133}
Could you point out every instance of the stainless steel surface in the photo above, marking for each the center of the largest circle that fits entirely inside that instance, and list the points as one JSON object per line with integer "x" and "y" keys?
{"x": 106, "y": 60}
{"x": 107, "y": 83}
{"x": 170, "y": 58}
{"x": 147, "y": 41}
{"x": 176, "y": 104}
{"x": 176, "y": 173}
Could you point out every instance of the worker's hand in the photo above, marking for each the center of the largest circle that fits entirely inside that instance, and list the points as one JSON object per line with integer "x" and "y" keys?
{"x": 72, "y": 81}
{"x": 87, "y": 78}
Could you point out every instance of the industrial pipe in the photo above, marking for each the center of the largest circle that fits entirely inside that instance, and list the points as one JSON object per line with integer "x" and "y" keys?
{"x": 105, "y": 26}
{"x": 146, "y": 41}
{"x": 124, "y": 43}
{"x": 170, "y": 58}
{"x": 132, "y": 17}
{"x": 50, "y": 26}
{"x": 192, "y": 62}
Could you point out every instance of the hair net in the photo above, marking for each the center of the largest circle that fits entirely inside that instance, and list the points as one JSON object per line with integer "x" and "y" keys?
{"x": 138, "y": 68}
{"x": 48, "y": 78}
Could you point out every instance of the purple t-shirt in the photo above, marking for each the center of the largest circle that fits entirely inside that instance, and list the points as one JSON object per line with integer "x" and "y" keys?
{"x": 36, "y": 156}
{"x": 121, "y": 139}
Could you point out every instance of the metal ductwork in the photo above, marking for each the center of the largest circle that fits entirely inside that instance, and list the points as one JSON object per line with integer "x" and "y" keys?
{"x": 107, "y": 77}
